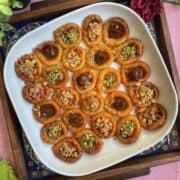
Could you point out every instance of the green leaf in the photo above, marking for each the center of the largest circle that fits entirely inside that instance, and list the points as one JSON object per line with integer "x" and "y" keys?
{"x": 5, "y": 27}
{"x": 6, "y": 10}
{"x": 17, "y": 4}
{"x": 5, "y": 2}
{"x": 2, "y": 34}
{"x": 3, "y": 18}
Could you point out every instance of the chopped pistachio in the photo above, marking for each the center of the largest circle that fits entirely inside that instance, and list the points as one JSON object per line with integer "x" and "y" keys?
{"x": 127, "y": 129}
{"x": 88, "y": 141}
{"x": 109, "y": 80}
{"x": 54, "y": 131}
{"x": 54, "y": 76}
{"x": 128, "y": 52}
{"x": 69, "y": 36}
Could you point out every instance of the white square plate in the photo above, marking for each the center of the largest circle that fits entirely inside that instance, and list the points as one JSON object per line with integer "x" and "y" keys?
{"x": 113, "y": 152}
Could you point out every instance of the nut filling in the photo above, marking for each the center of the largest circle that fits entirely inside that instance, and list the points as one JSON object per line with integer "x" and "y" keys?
{"x": 75, "y": 120}
{"x": 119, "y": 103}
{"x": 94, "y": 30}
{"x": 104, "y": 126}
{"x": 84, "y": 80}
{"x": 69, "y": 36}
{"x": 74, "y": 58}
{"x": 127, "y": 129}
{"x": 91, "y": 103}
{"x": 55, "y": 131}
{"x": 55, "y": 76}
{"x": 67, "y": 97}
{"x": 109, "y": 80}
{"x": 68, "y": 150}
{"x": 89, "y": 141}
{"x": 128, "y": 52}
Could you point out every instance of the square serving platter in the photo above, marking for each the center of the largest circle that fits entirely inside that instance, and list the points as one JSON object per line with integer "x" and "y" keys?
{"x": 112, "y": 152}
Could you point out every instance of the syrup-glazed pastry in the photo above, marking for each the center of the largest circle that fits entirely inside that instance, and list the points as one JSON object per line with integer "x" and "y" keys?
{"x": 51, "y": 133}
{"x": 28, "y": 68}
{"x": 92, "y": 30}
{"x": 89, "y": 141}
{"x": 108, "y": 80}
{"x": 35, "y": 92}
{"x": 75, "y": 120}
{"x": 68, "y": 35}
{"x": 152, "y": 116}
{"x": 115, "y": 31}
{"x": 135, "y": 72}
{"x": 67, "y": 97}
{"x": 128, "y": 130}
{"x": 68, "y": 150}
{"x": 99, "y": 57}
{"x": 91, "y": 103}
{"x": 46, "y": 111}
{"x": 103, "y": 124}
{"x": 143, "y": 94}
{"x": 118, "y": 103}
{"x": 49, "y": 53}
{"x": 84, "y": 80}
{"x": 56, "y": 77}
{"x": 74, "y": 58}
{"x": 128, "y": 52}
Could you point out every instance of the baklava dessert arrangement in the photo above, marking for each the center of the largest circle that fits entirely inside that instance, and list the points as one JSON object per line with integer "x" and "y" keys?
{"x": 73, "y": 83}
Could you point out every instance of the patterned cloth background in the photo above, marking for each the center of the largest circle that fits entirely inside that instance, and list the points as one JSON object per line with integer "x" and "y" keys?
{"x": 35, "y": 169}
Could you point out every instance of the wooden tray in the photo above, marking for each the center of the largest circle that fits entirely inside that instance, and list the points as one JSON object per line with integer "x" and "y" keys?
{"x": 129, "y": 168}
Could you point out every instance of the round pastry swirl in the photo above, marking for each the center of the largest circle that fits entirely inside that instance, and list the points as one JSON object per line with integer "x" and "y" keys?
{"x": 84, "y": 80}
{"x": 75, "y": 120}
{"x": 128, "y": 129}
{"x": 115, "y": 31}
{"x": 56, "y": 77}
{"x": 28, "y": 68}
{"x": 51, "y": 133}
{"x": 108, "y": 80}
{"x": 118, "y": 103}
{"x": 103, "y": 124}
{"x": 143, "y": 94}
{"x": 92, "y": 30}
{"x": 68, "y": 35}
{"x": 99, "y": 57}
{"x": 35, "y": 92}
{"x": 66, "y": 97}
{"x": 152, "y": 116}
{"x": 135, "y": 72}
{"x": 91, "y": 103}
{"x": 128, "y": 52}
{"x": 74, "y": 58}
{"x": 89, "y": 142}
{"x": 48, "y": 53}
{"x": 46, "y": 111}
{"x": 68, "y": 150}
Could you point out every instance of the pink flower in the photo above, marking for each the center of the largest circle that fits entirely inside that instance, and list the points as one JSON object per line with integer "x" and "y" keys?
{"x": 147, "y": 9}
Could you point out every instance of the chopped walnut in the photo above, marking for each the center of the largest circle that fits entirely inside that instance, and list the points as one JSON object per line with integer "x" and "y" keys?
{"x": 146, "y": 94}
{"x": 94, "y": 30}
{"x": 66, "y": 97}
{"x": 68, "y": 150}
{"x": 28, "y": 67}
{"x": 37, "y": 91}
{"x": 73, "y": 58}
{"x": 104, "y": 126}
{"x": 91, "y": 103}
